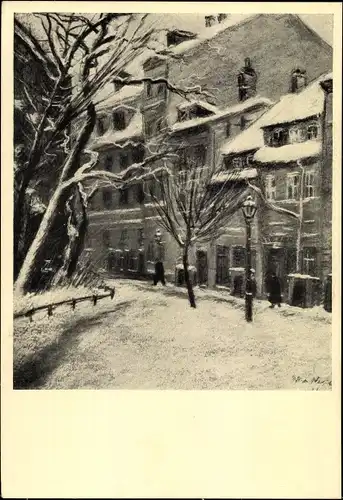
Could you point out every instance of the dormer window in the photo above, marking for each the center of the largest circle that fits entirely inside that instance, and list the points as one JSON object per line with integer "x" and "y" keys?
{"x": 118, "y": 120}
{"x": 296, "y": 134}
{"x": 176, "y": 37}
{"x": 108, "y": 163}
{"x": 298, "y": 80}
{"x": 118, "y": 83}
{"x": 279, "y": 137}
{"x": 237, "y": 163}
{"x": 188, "y": 111}
{"x": 250, "y": 159}
{"x": 312, "y": 131}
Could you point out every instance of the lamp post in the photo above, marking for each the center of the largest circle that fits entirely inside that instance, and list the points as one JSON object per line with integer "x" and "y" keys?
{"x": 249, "y": 209}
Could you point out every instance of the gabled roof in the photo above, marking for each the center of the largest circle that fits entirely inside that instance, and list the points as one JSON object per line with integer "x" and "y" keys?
{"x": 294, "y": 107}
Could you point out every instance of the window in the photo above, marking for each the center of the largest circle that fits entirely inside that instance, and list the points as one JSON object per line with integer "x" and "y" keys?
{"x": 228, "y": 129}
{"x": 237, "y": 163}
{"x": 101, "y": 126}
{"x": 161, "y": 89}
{"x": 149, "y": 129}
{"x": 107, "y": 198}
{"x": 279, "y": 137}
{"x": 106, "y": 238}
{"x": 123, "y": 161}
{"x": 123, "y": 196}
{"x": 200, "y": 154}
{"x": 119, "y": 120}
{"x": 238, "y": 256}
{"x": 140, "y": 193}
{"x": 243, "y": 122}
{"x": 309, "y": 260}
{"x": 309, "y": 185}
{"x": 312, "y": 131}
{"x": 270, "y": 187}
{"x": 108, "y": 163}
{"x": 123, "y": 236}
{"x": 138, "y": 155}
{"x": 148, "y": 89}
{"x": 296, "y": 134}
{"x": 183, "y": 115}
{"x": 158, "y": 125}
{"x": 293, "y": 186}
{"x": 118, "y": 84}
{"x": 250, "y": 159}
{"x": 152, "y": 188}
{"x": 140, "y": 237}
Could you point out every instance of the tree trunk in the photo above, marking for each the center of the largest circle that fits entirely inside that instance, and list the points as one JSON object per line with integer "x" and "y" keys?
{"x": 189, "y": 285}
{"x": 32, "y": 256}
{"x": 71, "y": 165}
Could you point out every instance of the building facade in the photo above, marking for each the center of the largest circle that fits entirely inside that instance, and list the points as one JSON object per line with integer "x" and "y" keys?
{"x": 290, "y": 149}
{"x": 243, "y": 82}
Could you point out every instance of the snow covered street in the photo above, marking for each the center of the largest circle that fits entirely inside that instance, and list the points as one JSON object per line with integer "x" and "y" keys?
{"x": 149, "y": 338}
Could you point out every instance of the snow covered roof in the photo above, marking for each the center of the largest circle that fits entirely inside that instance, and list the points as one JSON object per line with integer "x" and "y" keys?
{"x": 294, "y": 107}
{"x": 246, "y": 173}
{"x": 288, "y": 153}
{"x": 211, "y": 32}
{"x": 203, "y": 104}
{"x": 232, "y": 110}
{"x": 248, "y": 140}
{"x": 291, "y": 107}
{"x": 124, "y": 94}
{"x": 133, "y": 130}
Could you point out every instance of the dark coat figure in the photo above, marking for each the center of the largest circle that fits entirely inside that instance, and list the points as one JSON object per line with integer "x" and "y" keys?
{"x": 159, "y": 273}
{"x": 253, "y": 286}
{"x": 274, "y": 290}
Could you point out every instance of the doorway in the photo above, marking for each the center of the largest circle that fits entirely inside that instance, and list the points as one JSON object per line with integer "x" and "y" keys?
{"x": 202, "y": 269}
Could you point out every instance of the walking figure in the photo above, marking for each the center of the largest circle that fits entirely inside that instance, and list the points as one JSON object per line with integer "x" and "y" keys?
{"x": 274, "y": 291}
{"x": 159, "y": 273}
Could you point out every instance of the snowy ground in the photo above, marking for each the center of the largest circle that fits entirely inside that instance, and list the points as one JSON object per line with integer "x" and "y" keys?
{"x": 149, "y": 338}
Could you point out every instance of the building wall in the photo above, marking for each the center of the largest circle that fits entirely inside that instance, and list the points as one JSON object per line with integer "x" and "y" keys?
{"x": 276, "y": 44}
{"x": 326, "y": 187}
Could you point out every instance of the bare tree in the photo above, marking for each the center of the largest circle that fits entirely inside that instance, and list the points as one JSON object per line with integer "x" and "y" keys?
{"x": 195, "y": 203}
{"x": 75, "y": 45}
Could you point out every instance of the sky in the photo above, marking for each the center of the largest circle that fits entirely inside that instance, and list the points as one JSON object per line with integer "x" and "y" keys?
{"x": 321, "y": 23}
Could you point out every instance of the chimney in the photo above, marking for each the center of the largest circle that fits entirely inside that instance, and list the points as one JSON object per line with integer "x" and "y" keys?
{"x": 298, "y": 80}
{"x": 210, "y": 21}
{"x": 221, "y": 18}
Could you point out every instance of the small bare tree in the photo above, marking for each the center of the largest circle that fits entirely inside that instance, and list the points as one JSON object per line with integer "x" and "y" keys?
{"x": 195, "y": 203}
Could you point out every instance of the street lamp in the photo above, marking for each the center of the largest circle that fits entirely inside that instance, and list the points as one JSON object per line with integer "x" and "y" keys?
{"x": 249, "y": 209}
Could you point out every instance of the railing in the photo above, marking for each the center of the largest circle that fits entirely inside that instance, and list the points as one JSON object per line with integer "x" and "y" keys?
{"x": 50, "y": 307}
